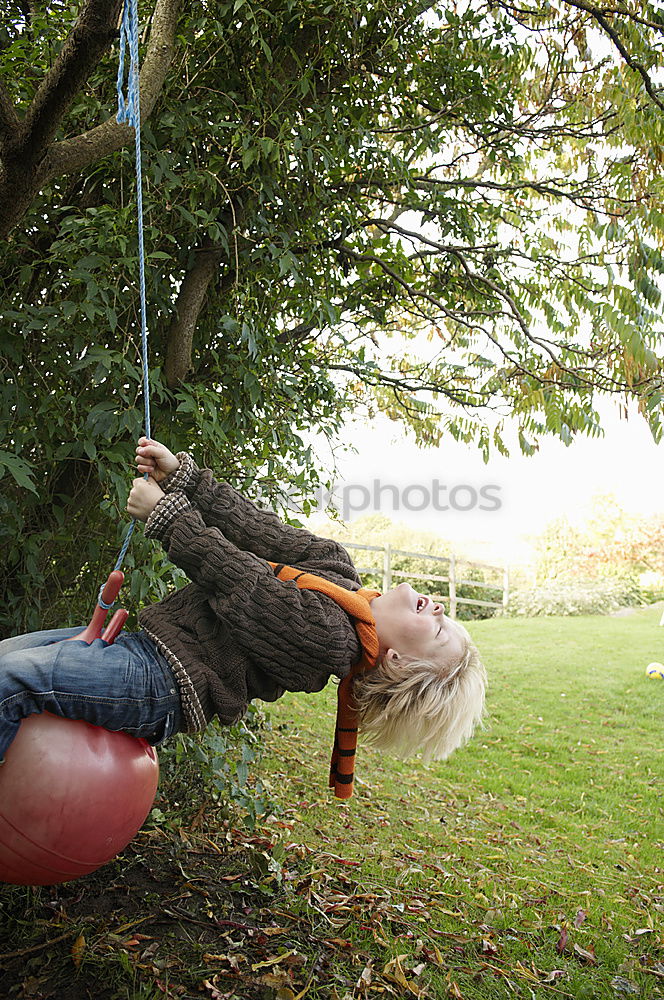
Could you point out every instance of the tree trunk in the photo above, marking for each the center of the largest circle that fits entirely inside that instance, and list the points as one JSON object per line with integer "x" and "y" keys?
{"x": 187, "y": 308}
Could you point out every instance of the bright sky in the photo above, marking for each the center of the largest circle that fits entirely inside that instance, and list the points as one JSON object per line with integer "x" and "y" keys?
{"x": 527, "y": 492}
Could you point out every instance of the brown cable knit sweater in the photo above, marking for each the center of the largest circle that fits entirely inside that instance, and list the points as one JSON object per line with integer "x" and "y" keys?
{"x": 236, "y": 632}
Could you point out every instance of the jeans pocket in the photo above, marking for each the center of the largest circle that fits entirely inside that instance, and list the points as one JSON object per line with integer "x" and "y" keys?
{"x": 163, "y": 731}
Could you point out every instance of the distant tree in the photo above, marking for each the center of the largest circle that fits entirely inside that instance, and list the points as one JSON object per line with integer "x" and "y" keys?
{"x": 609, "y": 542}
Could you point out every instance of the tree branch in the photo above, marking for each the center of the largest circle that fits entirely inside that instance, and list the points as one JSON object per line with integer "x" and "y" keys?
{"x": 575, "y": 375}
{"x": 296, "y": 334}
{"x": 10, "y": 123}
{"x": 80, "y": 151}
{"x": 551, "y": 188}
{"x": 22, "y": 158}
{"x": 601, "y": 18}
{"x": 406, "y": 383}
{"x": 89, "y": 38}
{"x": 620, "y": 11}
{"x": 187, "y": 308}
{"x": 33, "y": 161}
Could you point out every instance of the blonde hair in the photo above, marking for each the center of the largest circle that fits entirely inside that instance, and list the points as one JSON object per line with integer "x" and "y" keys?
{"x": 409, "y": 705}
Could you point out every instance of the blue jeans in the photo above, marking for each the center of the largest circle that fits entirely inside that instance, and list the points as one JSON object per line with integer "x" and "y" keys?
{"x": 126, "y": 686}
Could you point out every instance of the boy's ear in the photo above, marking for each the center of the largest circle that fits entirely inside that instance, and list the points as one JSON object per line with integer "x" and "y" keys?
{"x": 392, "y": 655}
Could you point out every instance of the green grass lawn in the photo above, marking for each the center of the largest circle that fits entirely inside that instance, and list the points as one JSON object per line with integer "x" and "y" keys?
{"x": 528, "y": 864}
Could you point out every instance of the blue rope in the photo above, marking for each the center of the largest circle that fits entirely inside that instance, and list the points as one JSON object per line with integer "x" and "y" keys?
{"x": 129, "y": 113}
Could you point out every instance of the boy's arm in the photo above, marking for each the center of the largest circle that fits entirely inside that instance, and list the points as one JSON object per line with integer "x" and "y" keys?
{"x": 252, "y": 529}
{"x": 294, "y": 635}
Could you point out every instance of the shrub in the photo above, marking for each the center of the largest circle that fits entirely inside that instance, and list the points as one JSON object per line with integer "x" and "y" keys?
{"x": 596, "y": 597}
{"x": 651, "y": 585}
{"x": 215, "y": 769}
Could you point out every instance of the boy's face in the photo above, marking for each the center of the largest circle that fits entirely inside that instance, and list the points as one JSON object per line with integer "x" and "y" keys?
{"x": 411, "y": 624}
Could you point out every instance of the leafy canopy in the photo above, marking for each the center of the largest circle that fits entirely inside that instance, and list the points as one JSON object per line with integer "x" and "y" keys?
{"x": 448, "y": 212}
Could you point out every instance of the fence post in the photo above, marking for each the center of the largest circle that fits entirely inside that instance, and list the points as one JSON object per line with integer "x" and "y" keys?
{"x": 506, "y": 586}
{"x": 452, "y": 586}
{"x": 387, "y": 567}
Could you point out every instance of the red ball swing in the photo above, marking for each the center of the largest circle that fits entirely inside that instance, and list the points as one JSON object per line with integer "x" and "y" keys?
{"x": 73, "y": 795}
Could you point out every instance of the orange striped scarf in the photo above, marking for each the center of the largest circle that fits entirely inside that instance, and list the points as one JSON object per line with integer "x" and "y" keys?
{"x": 356, "y": 604}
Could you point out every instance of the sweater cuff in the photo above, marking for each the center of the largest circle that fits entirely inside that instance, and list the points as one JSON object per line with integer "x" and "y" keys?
{"x": 165, "y": 513}
{"x": 180, "y": 479}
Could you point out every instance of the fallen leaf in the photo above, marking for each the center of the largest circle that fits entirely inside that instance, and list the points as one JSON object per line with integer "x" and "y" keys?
{"x": 338, "y": 942}
{"x": 150, "y": 951}
{"x": 272, "y": 961}
{"x": 562, "y": 941}
{"x": 527, "y": 973}
{"x": 32, "y": 987}
{"x": 365, "y": 977}
{"x": 395, "y": 973}
{"x": 585, "y": 954}
{"x": 276, "y": 980}
{"x": 622, "y": 985}
{"x": 434, "y": 955}
{"x": 77, "y": 950}
{"x": 232, "y": 960}
{"x": 579, "y": 918}
{"x": 215, "y": 994}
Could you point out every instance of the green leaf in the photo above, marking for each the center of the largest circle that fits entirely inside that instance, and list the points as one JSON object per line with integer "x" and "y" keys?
{"x": 19, "y": 470}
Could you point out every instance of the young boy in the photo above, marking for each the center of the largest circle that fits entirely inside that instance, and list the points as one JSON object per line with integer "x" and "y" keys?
{"x": 248, "y": 626}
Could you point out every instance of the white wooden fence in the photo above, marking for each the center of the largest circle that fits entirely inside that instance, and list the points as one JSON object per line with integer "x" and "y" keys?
{"x": 454, "y": 581}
